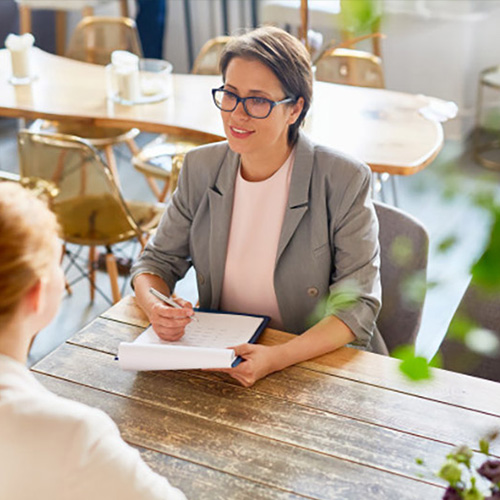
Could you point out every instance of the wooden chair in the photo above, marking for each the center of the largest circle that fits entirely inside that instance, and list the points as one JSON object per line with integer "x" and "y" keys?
{"x": 207, "y": 61}
{"x": 156, "y": 158}
{"x": 340, "y": 63}
{"x": 404, "y": 247}
{"x": 88, "y": 203}
{"x": 93, "y": 41}
{"x": 481, "y": 309}
{"x": 61, "y": 7}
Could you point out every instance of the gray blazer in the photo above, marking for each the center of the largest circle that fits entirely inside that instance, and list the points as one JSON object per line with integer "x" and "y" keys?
{"x": 329, "y": 235}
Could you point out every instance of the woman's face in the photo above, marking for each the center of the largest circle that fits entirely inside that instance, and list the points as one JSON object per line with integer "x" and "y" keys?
{"x": 247, "y": 135}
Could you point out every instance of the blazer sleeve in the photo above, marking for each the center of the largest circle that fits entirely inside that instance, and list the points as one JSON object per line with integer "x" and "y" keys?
{"x": 357, "y": 256}
{"x": 167, "y": 253}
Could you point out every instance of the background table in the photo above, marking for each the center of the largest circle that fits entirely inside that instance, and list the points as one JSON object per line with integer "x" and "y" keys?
{"x": 345, "y": 425}
{"x": 381, "y": 127}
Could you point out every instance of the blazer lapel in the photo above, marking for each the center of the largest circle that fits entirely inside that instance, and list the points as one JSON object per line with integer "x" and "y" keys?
{"x": 298, "y": 198}
{"x": 220, "y": 198}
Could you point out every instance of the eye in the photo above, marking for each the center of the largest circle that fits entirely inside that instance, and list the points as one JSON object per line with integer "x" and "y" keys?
{"x": 260, "y": 101}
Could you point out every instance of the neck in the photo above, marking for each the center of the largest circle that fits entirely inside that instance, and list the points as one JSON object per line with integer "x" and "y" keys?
{"x": 261, "y": 165}
{"x": 15, "y": 341}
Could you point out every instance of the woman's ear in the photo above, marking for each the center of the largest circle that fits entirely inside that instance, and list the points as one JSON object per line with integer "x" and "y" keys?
{"x": 297, "y": 108}
{"x": 33, "y": 298}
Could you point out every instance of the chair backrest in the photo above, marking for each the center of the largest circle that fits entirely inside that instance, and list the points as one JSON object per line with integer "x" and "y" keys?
{"x": 89, "y": 205}
{"x": 404, "y": 247}
{"x": 207, "y": 61}
{"x": 350, "y": 67}
{"x": 480, "y": 308}
{"x": 96, "y": 37}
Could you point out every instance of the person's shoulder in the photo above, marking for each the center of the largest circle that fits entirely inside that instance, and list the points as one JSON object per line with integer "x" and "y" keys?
{"x": 335, "y": 162}
{"x": 60, "y": 414}
{"x": 207, "y": 154}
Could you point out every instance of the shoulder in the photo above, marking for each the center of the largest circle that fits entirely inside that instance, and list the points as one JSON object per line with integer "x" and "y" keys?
{"x": 208, "y": 156}
{"x": 332, "y": 162}
{"x": 61, "y": 416}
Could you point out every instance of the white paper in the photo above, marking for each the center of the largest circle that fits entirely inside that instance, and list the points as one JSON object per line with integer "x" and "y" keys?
{"x": 204, "y": 345}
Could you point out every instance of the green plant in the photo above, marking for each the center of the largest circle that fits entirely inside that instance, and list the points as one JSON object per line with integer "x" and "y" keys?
{"x": 465, "y": 481}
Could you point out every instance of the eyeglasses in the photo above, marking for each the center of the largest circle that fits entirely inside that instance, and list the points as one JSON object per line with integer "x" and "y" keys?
{"x": 256, "y": 107}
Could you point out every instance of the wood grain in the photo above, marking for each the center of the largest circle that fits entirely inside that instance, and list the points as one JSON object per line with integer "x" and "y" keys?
{"x": 395, "y": 137}
{"x": 241, "y": 454}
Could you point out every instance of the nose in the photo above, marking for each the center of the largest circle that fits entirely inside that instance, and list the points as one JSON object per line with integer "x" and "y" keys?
{"x": 239, "y": 111}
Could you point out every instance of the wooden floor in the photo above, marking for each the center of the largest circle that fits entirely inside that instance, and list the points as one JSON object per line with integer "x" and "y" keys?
{"x": 422, "y": 195}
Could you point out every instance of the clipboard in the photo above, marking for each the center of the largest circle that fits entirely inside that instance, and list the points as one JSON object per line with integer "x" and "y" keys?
{"x": 204, "y": 345}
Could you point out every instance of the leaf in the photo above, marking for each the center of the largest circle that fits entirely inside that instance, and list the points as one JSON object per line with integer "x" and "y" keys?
{"x": 447, "y": 243}
{"x": 484, "y": 446}
{"x": 460, "y": 326}
{"x": 343, "y": 297}
{"x": 486, "y": 271}
{"x": 415, "y": 368}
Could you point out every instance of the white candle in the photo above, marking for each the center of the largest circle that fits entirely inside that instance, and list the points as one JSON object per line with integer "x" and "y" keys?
{"x": 20, "y": 51}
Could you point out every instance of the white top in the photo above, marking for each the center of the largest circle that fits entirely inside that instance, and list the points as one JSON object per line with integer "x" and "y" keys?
{"x": 256, "y": 221}
{"x": 52, "y": 448}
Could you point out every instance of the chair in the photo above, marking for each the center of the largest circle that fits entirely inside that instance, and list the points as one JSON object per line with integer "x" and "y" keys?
{"x": 350, "y": 67}
{"x": 340, "y": 63}
{"x": 88, "y": 203}
{"x": 156, "y": 158}
{"x": 480, "y": 308}
{"x": 93, "y": 41}
{"x": 404, "y": 246}
{"x": 207, "y": 60}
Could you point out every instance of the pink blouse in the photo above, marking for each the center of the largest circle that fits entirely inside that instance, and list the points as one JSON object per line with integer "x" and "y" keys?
{"x": 257, "y": 217}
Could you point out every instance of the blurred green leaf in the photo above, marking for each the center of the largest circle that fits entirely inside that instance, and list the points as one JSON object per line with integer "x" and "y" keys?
{"x": 358, "y": 16}
{"x": 447, "y": 243}
{"x": 486, "y": 271}
{"x": 414, "y": 288}
{"x": 460, "y": 326}
{"x": 484, "y": 446}
{"x": 415, "y": 368}
{"x": 342, "y": 297}
{"x": 450, "y": 472}
{"x": 419, "y": 461}
{"x": 402, "y": 250}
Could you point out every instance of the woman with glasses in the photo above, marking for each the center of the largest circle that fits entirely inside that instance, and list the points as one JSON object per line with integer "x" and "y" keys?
{"x": 272, "y": 223}
{"x": 51, "y": 447}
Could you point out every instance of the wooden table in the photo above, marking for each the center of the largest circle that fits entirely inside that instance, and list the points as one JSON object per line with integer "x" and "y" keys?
{"x": 381, "y": 127}
{"x": 345, "y": 425}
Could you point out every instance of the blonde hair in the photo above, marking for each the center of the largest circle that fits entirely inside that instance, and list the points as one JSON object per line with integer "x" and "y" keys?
{"x": 27, "y": 231}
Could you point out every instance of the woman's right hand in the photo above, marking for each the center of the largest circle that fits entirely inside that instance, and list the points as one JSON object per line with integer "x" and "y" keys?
{"x": 168, "y": 322}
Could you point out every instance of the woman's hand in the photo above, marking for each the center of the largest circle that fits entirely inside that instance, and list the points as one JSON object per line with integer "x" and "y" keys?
{"x": 258, "y": 361}
{"x": 168, "y": 322}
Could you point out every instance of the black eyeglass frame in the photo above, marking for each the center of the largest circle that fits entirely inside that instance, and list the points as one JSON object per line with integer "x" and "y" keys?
{"x": 244, "y": 100}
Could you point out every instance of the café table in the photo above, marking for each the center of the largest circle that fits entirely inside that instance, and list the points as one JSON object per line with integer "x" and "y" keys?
{"x": 381, "y": 127}
{"x": 346, "y": 425}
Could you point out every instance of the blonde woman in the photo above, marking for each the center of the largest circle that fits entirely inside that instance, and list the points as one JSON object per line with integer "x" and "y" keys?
{"x": 50, "y": 447}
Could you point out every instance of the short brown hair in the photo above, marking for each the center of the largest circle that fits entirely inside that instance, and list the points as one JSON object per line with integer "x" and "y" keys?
{"x": 27, "y": 231}
{"x": 284, "y": 55}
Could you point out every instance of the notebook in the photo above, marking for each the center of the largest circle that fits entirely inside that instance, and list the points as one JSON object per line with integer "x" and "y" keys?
{"x": 205, "y": 344}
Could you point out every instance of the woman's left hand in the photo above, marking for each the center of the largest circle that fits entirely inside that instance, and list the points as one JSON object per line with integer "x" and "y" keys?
{"x": 258, "y": 361}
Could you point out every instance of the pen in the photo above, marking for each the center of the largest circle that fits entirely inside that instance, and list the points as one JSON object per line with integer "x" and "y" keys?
{"x": 167, "y": 300}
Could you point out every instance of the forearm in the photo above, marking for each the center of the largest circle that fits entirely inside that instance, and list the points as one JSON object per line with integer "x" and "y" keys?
{"x": 142, "y": 284}
{"x": 325, "y": 336}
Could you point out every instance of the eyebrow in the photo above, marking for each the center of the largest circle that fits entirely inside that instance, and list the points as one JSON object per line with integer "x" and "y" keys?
{"x": 256, "y": 91}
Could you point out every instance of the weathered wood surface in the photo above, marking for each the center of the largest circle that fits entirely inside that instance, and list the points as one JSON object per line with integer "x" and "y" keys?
{"x": 456, "y": 389}
{"x": 345, "y": 425}
{"x": 241, "y": 454}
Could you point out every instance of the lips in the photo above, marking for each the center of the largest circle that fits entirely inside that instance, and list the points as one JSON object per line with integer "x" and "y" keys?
{"x": 240, "y": 133}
